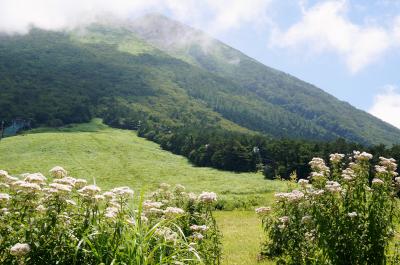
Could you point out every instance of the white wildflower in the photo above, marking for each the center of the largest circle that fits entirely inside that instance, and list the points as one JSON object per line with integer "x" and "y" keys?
{"x": 41, "y": 208}
{"x": 164, "y": 186}
{"x": 333, "y": 186}
{"x": 306, "y": 219}
{"x": 123, "y": 192}
{"x": 151, "y": 204}
{"x": 263, "y": 210}
{"x": 58, "y": 172}
{"x": 284, "y": 219}
{"x": 179, "y": 188}
{"x": 197, "y": 236}
{"x": 79, "y": 183}
{"x": 4, "y": 197}
{"x": 20, "y": 249}
{"x": 27, "y": 187}
{"x": 377, "y": 181}
{"x": 336, "y": 158}
{"x": 89, "y": 190}
{"x": 202, "y": 228}
{"x": 318, "y": 165}
{"x": 71, "y": 202}
{"x": 111, "y": 212}
{"x": 66, "y": 181}
{"x": 173, "y": 211}
{"x": 37, "y": 178}
{"x": 208, "y": 197}
{"x": 60, "y": 188}
{"x": 303, "y": 182}
{"x": 352, "y": 215}
{"x": 362, "y": 156}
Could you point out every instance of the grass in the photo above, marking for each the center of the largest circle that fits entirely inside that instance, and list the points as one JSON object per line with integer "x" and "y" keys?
{"x": 242, "y": 237}
{"x": 113, "y": 157}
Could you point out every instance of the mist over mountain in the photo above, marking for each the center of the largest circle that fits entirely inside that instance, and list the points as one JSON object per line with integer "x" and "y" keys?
{"x": 155, "y": 68}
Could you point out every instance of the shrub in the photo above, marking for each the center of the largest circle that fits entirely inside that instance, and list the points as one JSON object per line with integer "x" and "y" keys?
{"x": 70, "y": 222}
{"x": 339, "y": 216}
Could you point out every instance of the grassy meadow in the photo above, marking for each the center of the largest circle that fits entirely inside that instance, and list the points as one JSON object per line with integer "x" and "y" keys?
{"x": 113, "y": 157}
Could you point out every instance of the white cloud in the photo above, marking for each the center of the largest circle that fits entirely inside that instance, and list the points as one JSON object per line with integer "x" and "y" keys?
{"x": 325, "y": 27}
{"x": 387, "y": 105}
{"x": 17, "y": 16}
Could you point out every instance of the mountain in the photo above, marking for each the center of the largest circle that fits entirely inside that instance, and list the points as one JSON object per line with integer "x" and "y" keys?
{"x": 157, "y": 69}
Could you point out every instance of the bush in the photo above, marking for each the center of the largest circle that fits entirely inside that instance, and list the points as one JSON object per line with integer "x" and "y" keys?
{"x": 338, "y": 216}
{"x": 70, "y": 222}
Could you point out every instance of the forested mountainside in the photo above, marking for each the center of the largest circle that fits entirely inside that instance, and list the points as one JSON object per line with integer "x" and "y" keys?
{"x": 192, "y": 94}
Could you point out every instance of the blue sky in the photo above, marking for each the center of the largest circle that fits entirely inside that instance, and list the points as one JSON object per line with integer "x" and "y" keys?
{"x": 348, "y": 48}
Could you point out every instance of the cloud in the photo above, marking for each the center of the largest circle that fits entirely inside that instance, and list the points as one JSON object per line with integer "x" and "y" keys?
{"x": 325, "y": 27}
{"x": 386, "y": 105}
{"x": 18, "y": 16}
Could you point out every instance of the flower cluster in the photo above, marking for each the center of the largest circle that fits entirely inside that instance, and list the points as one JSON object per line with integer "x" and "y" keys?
{"x": 63, "y": 220}
{"x": 340, "y": 216}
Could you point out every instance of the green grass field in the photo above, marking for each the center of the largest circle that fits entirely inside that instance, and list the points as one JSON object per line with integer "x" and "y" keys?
{"x": 119, "y": 157}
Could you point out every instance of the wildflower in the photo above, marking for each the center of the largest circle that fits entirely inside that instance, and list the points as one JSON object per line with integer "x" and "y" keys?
{"x": 192, "y": 196}
{"x": 41, "y": 208}
{"x": 71, "y": 202}
{"x": 179, "y": 188}
{"x": 306, "y": 219}
{"x": 58, "y": 172}
{"x": 123, "y": 192}
{"x": 150, "y": 204}
{"x": 154, "y": 211}
{"x": 36, "y": 178}
{"x": 20, "y": 249}
{"x": 111, "y": 212}
{"x": 397, "y": 179}
{"x": 108, "y": 195}
{"x": 333, "y": 186}
{"x": 352, "y": 215}
{"x": 303, "y": 182}
{"x": 198, "y": 228}
{"x": 336, "y": 158}
{"x": 60, "y": 188}
{"x": 27, "y": 187}
{"x": 3, "y": 173}
{"x": 207, "y": 197}
{"x": 4, "y": 197}
{"x": 318, "y": 165}
{"x": 89, "y": 190}
{"x": 164, "y": 186}
{"x": 348, "y": 174}
{"x": 173, "y": 211}
{"x": 293, "y": 196}
{"x": 79, "y": 183}
{"x": 315, "y": 176}
{"x": 377, "y": 181}
{"x": 362, "y": 156}
{"x": 167, "y": 234}
{"x": 99, "y": 198}
{"x": 388, "y": 163}
{"x": 284, "y": 219}
{"x": 66, "y": 181}
{"x": 197, "y": 236}
{"x": 263, "y": 210}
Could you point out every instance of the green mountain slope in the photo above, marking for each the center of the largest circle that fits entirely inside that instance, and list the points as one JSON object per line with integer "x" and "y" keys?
{"x": 286, "y": 96}
{"x": 160, "y": 70}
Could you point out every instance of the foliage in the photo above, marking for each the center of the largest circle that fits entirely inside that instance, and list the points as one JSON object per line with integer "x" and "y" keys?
{"x": 345, "y": 216}
{"x": 69, "y": 222}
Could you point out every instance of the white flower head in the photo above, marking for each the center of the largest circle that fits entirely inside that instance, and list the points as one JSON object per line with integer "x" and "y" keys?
{"x": 336, "y": 158}
{"x": 89, "y": 190}
{"x": 377, "y": 181}
{"x": 20, "y": 249}
{"x": 36, "y": 178}
{"x": 352, "y": 215}
{"x": 364, "y": 156}
{"x": 122, "y": 192}
{"x": 58, "y": 172}
{"x": 207, "y": 197}
{"x": 263, "y": 210}
{"x": 173, "y": 211}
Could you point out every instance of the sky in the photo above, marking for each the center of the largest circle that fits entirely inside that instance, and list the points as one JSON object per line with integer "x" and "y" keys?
{"x": 349, "y": 48}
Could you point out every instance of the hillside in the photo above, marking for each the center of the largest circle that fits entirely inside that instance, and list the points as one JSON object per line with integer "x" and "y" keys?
{"x": 155, "y": 69}
{"x": 114, "y": 157}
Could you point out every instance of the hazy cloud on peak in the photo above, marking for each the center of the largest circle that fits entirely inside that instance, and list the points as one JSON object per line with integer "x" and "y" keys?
{"x": 17, "y": 16}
